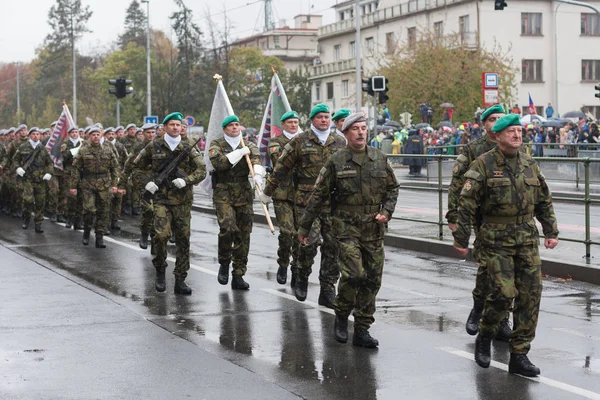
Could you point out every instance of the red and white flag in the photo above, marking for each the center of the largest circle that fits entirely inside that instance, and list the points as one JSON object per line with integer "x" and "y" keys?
{"x": 59, "y": 134}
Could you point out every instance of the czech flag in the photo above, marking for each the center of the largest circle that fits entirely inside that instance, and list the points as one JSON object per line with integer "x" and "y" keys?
{"x": 531, "y": 105}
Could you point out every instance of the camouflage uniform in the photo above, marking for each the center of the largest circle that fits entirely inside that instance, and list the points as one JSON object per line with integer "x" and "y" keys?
{"x": 117, "y": 200}
{"x": 74, "y": 206}
{"x": 360, "y": 186}
{"x": 98, "y": 172}
{"x": 172, "y": 206}
{"x": 130, "y": 198}
{"x": 508, "y": 237}
{"x": 32, "y": 185}
{"x": 285, "y": 211}
{"x": 15, "y": 189}
{"x": 304, "y": 156}
{"x": 140, "y": 177}
{"x": 232, "y": 197}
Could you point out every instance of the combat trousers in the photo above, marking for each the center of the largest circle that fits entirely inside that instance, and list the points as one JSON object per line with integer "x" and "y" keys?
{"x": 74, "y": 205}
{"x": 135, "y": 192}
{"x": 96, "y": 203}
{"x": 514, "y": 274}
{"x": 361, "y": 262}
{"x": 34, "y": 199}
{"x": 235, "y": 226}
{"x": 17, "y": 194}
{"x": 285, "y": 212}
{"x": 115, "y": 207}
{"x": 329, "y": 272}
{"x": 52, "y": 187}
{"x": 63, "y": 193}
{"x": 176, "y": 219}
{"x": 147, "y": 216}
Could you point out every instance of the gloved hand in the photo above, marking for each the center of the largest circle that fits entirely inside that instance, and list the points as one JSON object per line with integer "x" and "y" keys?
{"x": 20, "y": 171}
{"x": 264, "y": 198}
{"x": 75, "y": 150}
{"x": 235, "y": 156}
{"x": 179, "y": 183}
{"x": 259, "y": 175}
{"x": 259, "y": 180}
{"x": 47, "y": 177}
{"x": 151, "y": 187}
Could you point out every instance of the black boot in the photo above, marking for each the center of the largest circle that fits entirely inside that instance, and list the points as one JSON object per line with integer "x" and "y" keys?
{"x": 326, "y": 297}
{"x": 520, "y": 364}
{"x": 144, "y": 240}
{"x": 474, "y": 317}
{"x": 282, "y": 275}
{"x": 160, "y": 284}
{"x": 19, "y": 213}
{"x": 223, "y": 275}
{"x": 78, "y": 224}
{"x": 362, "y": 338}
{"x": 483, "y": 351}
{"x": 181, "y": 287}
{"x": 301, "y": 289}
{"x": 504, "y": 331}
{"x": 238, "y": 283}
{"x": 126, "y": 209}
{"x": 340, "y": 329}
{"x": 172, "y": 239}
{"x": 86, "y": 237}
{"x": 294, "y": 279}
{"x": 53, "y": 217}
{"x": 100, "y": 241}
{"x": 26, "y": 221}
{"x": 115, "y": 225}
{"x": 60, "y": 218}
{"x": 136, "y": 211}
{"x": 69, "y": 222}
{"x": 38, "y": 228}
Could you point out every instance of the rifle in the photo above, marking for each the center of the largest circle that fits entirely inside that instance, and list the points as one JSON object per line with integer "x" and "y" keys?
{"x": 32, "y": 157}
{"x": 168, "y": 169}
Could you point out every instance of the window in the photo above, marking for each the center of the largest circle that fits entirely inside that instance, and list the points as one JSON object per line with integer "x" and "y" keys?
{"x": 463, "y": 24}
{"x": 590, "y": 70}
{"x": 345, "y": 87}
{"x": 531, "y": 71}
{"x": 594, "y": 110}
{"x": 337, "y": 52}
{"x": 370, "y": 45}
{"x": 276, "y": 42}
{"x": 390, "y": 43}
{"x": 329, "y": 90}
{"x": 412, "y": 37}
{"x": 531, "y": 24}
{"x": 352, "y": 49}
{"x": 590, "y": 24}
{"x": 438, "y": 29}
{"x": 342, "y": 15}
{"x": 317, "y": 92}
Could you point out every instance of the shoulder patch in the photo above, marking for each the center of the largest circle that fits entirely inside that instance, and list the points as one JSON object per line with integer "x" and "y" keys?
{"x": 467, "y": 186}
{"x": 471, "y": 174}
{"x": 462, "y": 159}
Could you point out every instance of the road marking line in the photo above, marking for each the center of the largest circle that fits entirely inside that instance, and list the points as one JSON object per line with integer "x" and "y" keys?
{"x": 408, "y": 291}
{"x": 306, "y": 302}
{"x": 540, "y": 379}
{"x": 576, "y": 333}
{"x": 130, "y": 246}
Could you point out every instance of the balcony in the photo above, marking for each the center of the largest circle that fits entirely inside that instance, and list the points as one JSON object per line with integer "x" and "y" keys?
{"x": 333, "y": 68}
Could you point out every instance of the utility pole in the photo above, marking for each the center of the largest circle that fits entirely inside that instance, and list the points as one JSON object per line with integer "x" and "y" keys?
{"x": 269, "y": 24}
{"x": 18, "y": 94}
{"x": 149, "y": 88}
{"x": 357, "y": 45}
{"x": 74, "y": 70}
{"x": 119, "y": 112}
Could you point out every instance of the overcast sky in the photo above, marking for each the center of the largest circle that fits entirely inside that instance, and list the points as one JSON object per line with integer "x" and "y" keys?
{"x": 24, "y": 24}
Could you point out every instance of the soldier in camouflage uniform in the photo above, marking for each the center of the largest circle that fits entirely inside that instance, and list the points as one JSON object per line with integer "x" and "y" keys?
{"x": 7, "y": 178}
{"x": 468, "y": 154}
{"x": 284, "y": 204}
{"x": 16, "y": 191}
{"x": 33, "y": 165}
{"x": 304, "y": 157}
{"x": 232, "y": 197}
{"x": 56, "y": 203}
{"x": 362, "y": 190}
{"x": 130, "y": 200}
{"x": 509, "y": 189}
{"x": 69, "y": 150}
{"x": 3, "y": 137}
{"x": 171, "y": 201}
{"x": 98, "y": 169}
{"x": 117, "y": 198}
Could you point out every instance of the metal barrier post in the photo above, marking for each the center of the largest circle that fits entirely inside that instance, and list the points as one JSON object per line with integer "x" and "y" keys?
{"x": 440, "y": 195}
{"x": 576, "y": 168}
{"x": 588, "y": 242}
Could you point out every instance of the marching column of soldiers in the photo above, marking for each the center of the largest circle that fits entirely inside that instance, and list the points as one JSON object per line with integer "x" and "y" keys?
{"x": 329, "y": 188}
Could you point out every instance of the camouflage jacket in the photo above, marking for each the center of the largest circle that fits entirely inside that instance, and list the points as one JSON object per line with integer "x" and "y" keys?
{"x": 286, "y": 190}
{"x": 144, "y": 174}
{"x": 303, "y": 156}
{"x": 469, "y": 153}
{"x": 192, "y": 170}
{"x": 230, "y": 183}
{"x": 42, "y": 163}
{"x": 12, "y": 149}
{"x": 129, "y": 142}
{"x": 98, "y": 167}
{"x": 68, "y": 158}
{"x": 508, "y": 201}
{"x": 358, "y": 191}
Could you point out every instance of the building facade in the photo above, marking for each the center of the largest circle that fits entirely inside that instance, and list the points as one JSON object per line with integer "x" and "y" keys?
{"x": 554, "y": 45}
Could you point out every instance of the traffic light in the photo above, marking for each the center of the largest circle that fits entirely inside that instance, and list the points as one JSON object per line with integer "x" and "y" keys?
{"x": 378, "y": 83}
{"x": 383, "y": 97}
{"x": 500, "y": 4}
{"x": 366, "y": 86}
{"x": 597, "y": 87}
{"x": 120, "y": 87}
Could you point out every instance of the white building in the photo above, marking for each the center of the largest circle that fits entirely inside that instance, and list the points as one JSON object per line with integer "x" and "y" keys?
{"x": 556, "y": 46}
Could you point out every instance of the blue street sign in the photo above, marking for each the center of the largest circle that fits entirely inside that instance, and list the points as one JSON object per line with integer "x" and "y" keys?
{"x": 491, "y": 80}
{"x": 151, "y": 119}
{"x": 190, "y": 120}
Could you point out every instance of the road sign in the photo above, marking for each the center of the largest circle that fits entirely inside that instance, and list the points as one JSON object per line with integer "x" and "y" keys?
{"x": 490, "y": 94}
{"x": 491, "y": 97}
{"x": 491, "y": 80}
{"x": 190, "y": 120}
{"x": 151, "y": 119}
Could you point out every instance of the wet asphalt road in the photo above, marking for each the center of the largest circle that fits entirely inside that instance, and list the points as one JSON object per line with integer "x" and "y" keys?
{"x": 102, "y": 331}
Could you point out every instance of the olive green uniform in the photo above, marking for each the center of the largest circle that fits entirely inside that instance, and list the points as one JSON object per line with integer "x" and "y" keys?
{"x": 74, "y": 206}
{"x": 16, "y": 191}
{"x": 130, "y": 198}
{"x": 140, "y": 177}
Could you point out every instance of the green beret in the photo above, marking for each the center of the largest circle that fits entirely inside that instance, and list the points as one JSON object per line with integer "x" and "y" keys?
{"x": 496, "y": 109}
{"x": 230, "y": 119}
{"x": 288, "y": 115}
{"x": 343, "y": 113}
{"x": 176, "y": 116}
{"x": 506, "y": 121}
{"x": 319, "y": 108}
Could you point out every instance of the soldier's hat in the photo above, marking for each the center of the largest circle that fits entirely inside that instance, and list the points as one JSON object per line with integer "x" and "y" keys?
{"x": 99, "y": 125}
{"x": 10, "y": 130}
{"x": 87, "y": 129}
{"x": 110, "y": 129}
{"x": 73, "y": 128}
{"x": 20, "y": 127}
{"x": 54, "y": 123}
{"x": 93, "y": 129}
{"x": 138, "y": 130}
{"x": 148, "y": 126}
{"x": 2, "y": 132}
{"x": 130, "y": 126}
{"x": 351, "y": 119}
{"x": 34, "y": 129}
{"x": 119, "y": 128}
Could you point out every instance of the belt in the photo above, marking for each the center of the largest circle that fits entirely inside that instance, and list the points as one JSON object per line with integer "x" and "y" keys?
{"x": 358, "y": 209}
{"x": 94, "y": 176}
{"x": 307, "y": 181}
{"x": 233, "y": 179}
{"x": 519, "y": 219}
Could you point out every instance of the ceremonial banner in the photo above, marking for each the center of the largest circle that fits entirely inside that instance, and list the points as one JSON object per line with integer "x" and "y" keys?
{"x": 59, "y": 134}
{"x": 277, "y": 105}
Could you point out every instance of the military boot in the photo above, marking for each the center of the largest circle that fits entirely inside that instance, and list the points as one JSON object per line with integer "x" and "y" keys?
{"x": 181, "y": 287}
{"x": 520, "y": 364}
{"x": 483, "y": 351}
{"x": 38, "y": 228}
{"x": 362, "y": 338}
{"x": 53, "y": 217}
{"x": 223, "y": 275}
{"x": 326, "y": 297}
{"x": 301, "y": 289}
{"x": 281, "y": 275}
{"x": 60, "y": 218}
{"x": 144, "y": 240}
{"x": 474, "y": 317}
{"x": 26, "y": 221}
{"x": 340, "y": 329}
{"x": 86, "y": 237}
{"x": 69, "y": 222}
{"x": 294, "y": 278}
{"x": 115, "y": 225}
{"x": 78, "y": 224}
{"x": 126, "y": 209}
{"x": 136, "y": 211}
{"x": 504, "y": 331}
{"x": 238, "y": 283}
{"x": 160, "y": 284}
{"x": 100, "y": 241}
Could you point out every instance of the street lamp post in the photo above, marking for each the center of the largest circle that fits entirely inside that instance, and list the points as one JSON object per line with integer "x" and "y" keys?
{"x": 149, "y": 88}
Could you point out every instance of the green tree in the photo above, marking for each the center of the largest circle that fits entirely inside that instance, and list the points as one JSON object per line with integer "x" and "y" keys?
{"x": 68, "y": 20}
{"x": 298, "y": 91}
{"x": 135, "y": 26}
